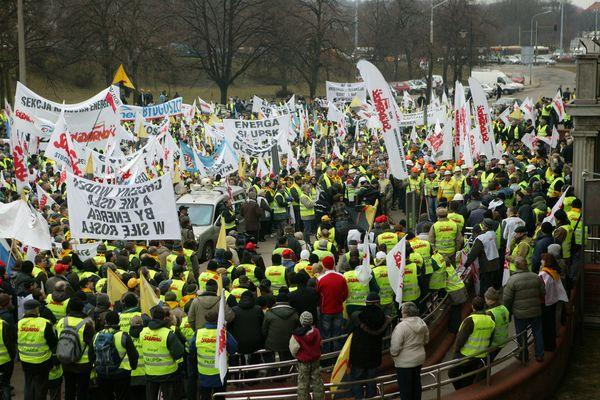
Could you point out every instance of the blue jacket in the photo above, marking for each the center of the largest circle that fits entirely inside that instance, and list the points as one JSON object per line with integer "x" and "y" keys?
{"x": 212, "y": 381}
{"x": 541, "y": 247}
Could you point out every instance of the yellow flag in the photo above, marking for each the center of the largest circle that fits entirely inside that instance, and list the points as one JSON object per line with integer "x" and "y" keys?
{"x": 148, "y": 297}
{"x": 122, "y": 78}
{"x": 516, "y": 114}
{"x": 242, "y": 168}
{"x": 370, "y": 212}
{"x": 115, "y": 288}
{"x": 341, "y": 365}
{"x": 89, "y": 167}
{"x": 140, "y": 127}
{"x": 355, "y": 103}
{"x": 221, "y": 242}
{"x": 176, "y": 174}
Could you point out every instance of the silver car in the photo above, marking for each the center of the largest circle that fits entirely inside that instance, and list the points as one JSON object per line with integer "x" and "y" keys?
{"x": 204, "y": 209}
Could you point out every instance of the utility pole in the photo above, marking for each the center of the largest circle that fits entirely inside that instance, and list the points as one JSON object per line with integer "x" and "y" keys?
{"x": 430, "y": 71}
{"x": 531, "y": 41}
{"x": 21, "y": 40}
{"x": 562, "y": 22}
{"x": 355, "y": 26}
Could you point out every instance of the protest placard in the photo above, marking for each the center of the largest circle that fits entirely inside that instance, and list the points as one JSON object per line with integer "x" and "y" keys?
{"x": 256, "y": 137}
{"x": 127, "y": 212}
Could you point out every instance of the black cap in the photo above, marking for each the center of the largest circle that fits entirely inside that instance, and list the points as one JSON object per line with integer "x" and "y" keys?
{"x": 183, "y": 208}
{"x": 31, "y": 305}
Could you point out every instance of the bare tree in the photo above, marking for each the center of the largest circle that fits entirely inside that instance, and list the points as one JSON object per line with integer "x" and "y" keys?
{"x": 227, "y": 36}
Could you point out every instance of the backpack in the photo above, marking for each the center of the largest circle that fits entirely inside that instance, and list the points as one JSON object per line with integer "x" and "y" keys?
{"x": 68, "y": 348}
{"x": 107, "y": 356}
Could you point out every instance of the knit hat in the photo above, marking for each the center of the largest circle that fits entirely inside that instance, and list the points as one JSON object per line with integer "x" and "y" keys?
{"x": 304, "y": 254}
{"x": 555, "y": 250}
{"x": 492, "y": 294}
{"x": 31, "y": 305}
{"x": 306, "y": 319}
{"x": 328, "y": 262}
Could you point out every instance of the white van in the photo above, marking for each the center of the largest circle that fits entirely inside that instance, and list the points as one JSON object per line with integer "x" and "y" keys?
{"x": 493, "y": 77}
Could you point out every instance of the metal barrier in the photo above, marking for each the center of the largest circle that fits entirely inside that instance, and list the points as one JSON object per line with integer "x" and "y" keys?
{"x": 434, "y": 371}
{"x": 593, "y": 249}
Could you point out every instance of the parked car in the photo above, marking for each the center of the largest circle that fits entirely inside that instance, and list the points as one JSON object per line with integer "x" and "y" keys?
{"x": 489, "y": 91}
{"x": 400, "y": 87}
{"x": 544, "y": 59}
{"x": 205, "y": 207}
{"x": 417, "y": 86}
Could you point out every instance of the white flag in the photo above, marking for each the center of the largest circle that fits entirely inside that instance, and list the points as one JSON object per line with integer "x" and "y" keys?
{"x": 559, "y": 106}
{"x": 396, "y": 263}
{"x": 550, "y": 218}
{"x": 553, "y": 140}
{"x": 21, "y": 222}
{"x": 486, "y": 140}
{"x": 44, "y": 198}
{"x": 530, "y": 140}
{"x": 388, "y": 114}
{"x": 221, "y": 343}
{"x": 504, "y": 116}
{"x": 363, "y": 271}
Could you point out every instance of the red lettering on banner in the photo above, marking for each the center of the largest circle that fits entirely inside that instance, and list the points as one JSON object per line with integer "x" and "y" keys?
{"x": 222, "y": 341}
{"x": 98, "y": 133}
{"x": 482, "y": 118}
{"x": 21, "y": 115}
{"x": 436, "y": 140}
{"x": 63, "y": 144}
{"x": 19, "y": 164}
{"x": 381, "y": 105}
{"x": 398, "y": 259}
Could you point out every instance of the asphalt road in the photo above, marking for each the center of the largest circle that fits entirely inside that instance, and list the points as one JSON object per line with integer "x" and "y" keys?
{"x": 545, "y": 79}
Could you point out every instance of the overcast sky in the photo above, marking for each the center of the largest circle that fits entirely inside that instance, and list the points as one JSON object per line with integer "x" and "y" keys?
{"x": 583, "y": 3}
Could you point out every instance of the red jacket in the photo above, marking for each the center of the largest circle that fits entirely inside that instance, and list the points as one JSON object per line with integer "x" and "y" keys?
{"x": 333, "y": 291}
{"x": 310, "y": 345}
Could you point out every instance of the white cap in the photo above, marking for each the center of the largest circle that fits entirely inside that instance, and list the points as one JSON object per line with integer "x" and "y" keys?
{"x": 530, "y": 168}
{"x": 465, "y": 166}
{"x": 351, "y": 171}
{"x": 380, "y": 255}
{"x": 305, "y": 254}
{"x": 362, "y": 179}
{"x": 456, "y": 169}
{"x": 458, "y": 197}
{"x": 502, "y": 162}
{"x": 410, "y": 163}
{"x": 447, "y": 173}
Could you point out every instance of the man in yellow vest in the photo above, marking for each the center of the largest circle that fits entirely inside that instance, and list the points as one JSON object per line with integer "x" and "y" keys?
{"x": 563, "y": 235}
{"x": 447, "y": 187}
{"x": 138, "y": 374}
{"x": 387, "y": 238}
{"x": 36, "y": 342}
{"x": 276, "y": 274}
{"x": 202, "y": 352}
{"x": 77, "y": 374}
{"x": 520, "y": 247}
{"x": 161, "y": 349}
{"x": 472, "y": 340}
{"x": 501, "y": 317}
{"x": 131, "y": 309}
{"x": 444, "y": 235}
{"x": 576, "y": 221}
{"x": 386, "y": 293}
{"x": 114, "y": 369}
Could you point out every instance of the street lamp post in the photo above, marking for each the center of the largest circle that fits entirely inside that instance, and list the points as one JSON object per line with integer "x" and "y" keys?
{"x": 21, "y": 42}
{"x": 430, "y": 72}
{"x": 531, "y": 41}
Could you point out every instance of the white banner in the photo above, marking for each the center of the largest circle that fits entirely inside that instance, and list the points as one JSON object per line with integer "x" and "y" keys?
{"x": 166, "y": 109}
{"x": 18, "y": 220}
{"x": 416, "y": 118}
{"x": 387, "y": 111}
{"x": 395, "y": 262}
{"x": 86, "y": 251}
{"x": 91, "y": 122}
{"x": 62, "y": 149}
{"x": 338, "y": 92}
{"x": 223, "y": 163}
{"x": 440, "y": 142}
{"x": 487, "y": 140}
{"x": 126, "y": 212}
{"x": 256, "y": 137}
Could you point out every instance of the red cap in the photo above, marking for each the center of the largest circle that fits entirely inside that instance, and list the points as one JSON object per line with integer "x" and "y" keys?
{"x": 381, "y": 219}
{"x": 328, "y": 262}
{"x": 250, "y": 246}
{"x": 60, "y": 268}
{"x": 287, "y": 253}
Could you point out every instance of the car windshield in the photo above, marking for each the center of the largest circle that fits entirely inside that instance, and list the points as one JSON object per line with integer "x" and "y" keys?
{"x": 200, "y": 214}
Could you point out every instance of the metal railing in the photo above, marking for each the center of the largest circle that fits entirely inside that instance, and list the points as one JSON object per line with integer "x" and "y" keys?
{"x": 288, "y": 367}
{"x": 435, "y": 371}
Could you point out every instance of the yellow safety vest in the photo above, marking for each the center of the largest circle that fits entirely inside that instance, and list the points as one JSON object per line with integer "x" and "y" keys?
{"x": 237, "y": 292}
{"x": 170, "y": 261}
{"x": 304, "y": 265}
{"x": 157, "y": 359}
{"x": 58, "y": 308}
{"x": 386, "y": 293}
{"x": 118, "y": 338}
{"x": 249, "y": 268}
{"x": 141, "y": 369}
{"x": 511, "y": 265}
{"x": 445, "y": 236}
{"x": 480, "y": 338}
{"x": 438, "y": 277}
{"x": 276, "y": 274}
{"x": 453, "y": 281}
{"x": 501, "y": 319}
{"x": 277, "y": 209}
{"x": 357, "y": 292}
{"x": 206, "y": 276}
{"x": 176, "y": 287}
{"x": 305, "y": 212}
{"x": 575, "y": 219}
{"x": 188, "y": 256}
{"x": 431, "y": 187}
{"x": 552, "y": 192}
{"x": 4, "y": 356}
{"x": 447, "y": 189}
{"x": 322, "y": 254}
{"x": 423, "y": 248}
{"x": 389, "y": 239}
{"x": 206, "y": 350}
{"x": 566, "y": 244}
{"x": 72, "y": 322}
{"x": 31, "y": 342}
{"x": 411, "y": 290}
{"x": 187, "y": 331}
{"x": 458, "y": 219}
{"x": 125, "y": 319}
{"x": 331, "y": 237}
